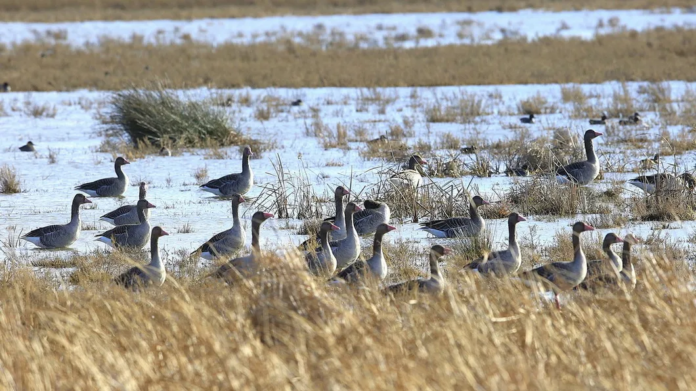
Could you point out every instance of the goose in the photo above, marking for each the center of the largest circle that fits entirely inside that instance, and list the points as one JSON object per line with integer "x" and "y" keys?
{"x": 134, "y": 236}
{"x": 322, "y": 262}
{"x": 435, "y": 284}
{"x": 338, "y": 219}
{"x": 601, "y": 121}
{"x": 127, "y": 214}
{"x": 410, "y": 177}
{"x": 297, "y": 102}
{"x": 628, "y": 273}
{"x": 562, "y": 276}
{"x": 504, "y": 262}
{"x": 239, "y": 183}
{"x": 28, "y": 147}
{"x": 458, "y": 226}
{"x": 375, "y": 267}
{"x": 647, "y": 164}
{"x": 226, "y": 242}
{"x": 528, "y": 120}
{"x": 585, "y": 172}
{"x": 382, "y": 139}
{"x": 6, "y": 87}
{"x": 347, "y": 250}
{"x": 153, "y": 273}
{"x": 524, "y": 171}
{"x": 631, "y": 119}
{"x": 108, "y": 187}
{"x": 665, "y": 182}
{"x": 246, "y": 265}
{"x": 368, "y": 219}
{"x": 58, "y": 236}
{"x": 164, "y": 151}
{"x": 600, "y": 271}
{"x": 469, "y": 150}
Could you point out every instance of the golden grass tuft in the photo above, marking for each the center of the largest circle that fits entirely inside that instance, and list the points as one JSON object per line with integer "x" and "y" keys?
{"x": 9, "y": 182}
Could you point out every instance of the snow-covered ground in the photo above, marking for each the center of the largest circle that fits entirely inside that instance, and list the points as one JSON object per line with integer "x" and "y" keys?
{"x": 74, "y": 136}
{"x": 372, "y": 30}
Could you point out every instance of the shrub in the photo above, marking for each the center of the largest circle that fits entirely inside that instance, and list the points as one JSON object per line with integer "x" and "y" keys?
{"x": 9, "y": 183}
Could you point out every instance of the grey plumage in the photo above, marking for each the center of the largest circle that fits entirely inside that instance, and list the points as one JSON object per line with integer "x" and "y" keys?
{"x": 239, "y": 183}
{"x": 153, "y": 273}
{"x": 127, "y": 214}
{"x": 581, "y": 173}
{"x": 58, "y": 236}
{"x": 108, "y": 187}
{"x": 133, "y": 236}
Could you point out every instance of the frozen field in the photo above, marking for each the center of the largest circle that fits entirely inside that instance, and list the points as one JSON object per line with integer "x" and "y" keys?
{"x": 74, "y": 135}
{"x": 376, "y": 30}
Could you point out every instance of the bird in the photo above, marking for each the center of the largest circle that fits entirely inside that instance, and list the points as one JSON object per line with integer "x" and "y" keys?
{"x": 297, "y": 102}
{"x": 133, "y": 236}
{"x": 382, "y": 139}
{"x": 410, "y": 177}
{"x": 469, "y": 150}
{"x": 375, "y": 267}
{"x": 153, "y": 273}
{"x": 435, "y": 284}
{"x": 504, "y": 262}
{"x": 562, "y": 276}
{"x": 6, "y": 87}
{"x": 371, "y": 216}
{"x": 59, "y": 236}
{"x": 649, "y": 163}
{"x": 127, "y": 214}
{"x": 108, "y": 187}
{"x": 239, "y": 183}
{"x": 628, "y": 273}
{"x": 338, "y": 219}
{"x": 581, "y": 173}
{"x": 347, "y": 250}
{"x": 528, "y": 120}
{"x": 524, "y": 171}
{"x": 631, "y": 119}
{"x": 28, "y": 147}
{"x": 246, "y": 265}
{"x": 164, "y": 151}
{"x": 599, "y": 272}
{"x": 458, "y": 226}
{"x": 601, "y": 121}
{"x": 229, "y": 241}
{"x": 663, "y": 182}
{"x": 322, "y": 262}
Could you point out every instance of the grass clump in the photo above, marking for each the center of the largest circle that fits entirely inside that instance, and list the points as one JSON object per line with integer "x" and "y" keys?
{"x": 9, "y": 183}
{"x": 159, "y": 117}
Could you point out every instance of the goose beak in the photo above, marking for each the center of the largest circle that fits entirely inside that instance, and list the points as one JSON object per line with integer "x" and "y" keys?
{"x": 447, "y": 251}
{"x": 241, "y": 199}
{"x": 149, "y": 205}
{"x": 391, "y": 228}
{"x": 484, "y": 202}
{"x": 165, "y": 233}
{"x": 589, "y": 227}
{"x": 86, "y": 201}
{"x": 619, "y": 240}
{"x": 335, "y": 228}
{"x": 358, "y": 209}
{"x": 346, "y": 191}
{"x": 520, "y": 218}
{"x": 125, "y": 161}
{"x": 268, "y": 215}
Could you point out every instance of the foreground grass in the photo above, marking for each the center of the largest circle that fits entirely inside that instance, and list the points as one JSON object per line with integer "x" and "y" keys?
{"x": 287, "y": 330}
{"x": 79, "y": 10}
{"x": 651, "y": 56}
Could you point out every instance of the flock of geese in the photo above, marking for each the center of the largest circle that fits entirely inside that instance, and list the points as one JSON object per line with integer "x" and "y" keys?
{"x": 334, "y": 253}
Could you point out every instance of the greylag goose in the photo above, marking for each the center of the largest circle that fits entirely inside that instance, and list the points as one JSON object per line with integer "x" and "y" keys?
{"x": 239, "y": 183}
{"x": 28, "y": 147}
{"x": 410, "y": 177}
{"x": 631, "y": 119}
{"x": 504, "y": 262}
{"x": 127, "y": 214}
{"x": 599, "y": 272}
{"x": 601, "y": 121}
{"x": 563, "y": 276}
{"x": 246, "y": 265}
{"x": 375, "y": 267}
{"x": 469, "y": 150}
{"x": 585, "y": 172}
{"x": 338, "y": 219}
{"x": 153, "y": 273}
{"x": 528, "y": 120}
{"x": 649, "y": 163}
{"x": 664, "y": 182}
{"x": 628, "y": 273}
{"x": 226, "y": 242}
{"x": 347, "y": 250}
{"x": 524, "y": 171}
{"x": 459, "y": 226}
{"x": 382, "y": 139}
{"x": 297, "y": 102}
{"x": 434, "y": 284}
{"x": 108, "y": 187}
{"x": 134, "y": 236}
{"x": 164, "y": 151}
{"x": 6, "y": 87}
{"x": 322, "y": 262}
{"x": 57, "y": 236}
{"x": 368, "y": 219}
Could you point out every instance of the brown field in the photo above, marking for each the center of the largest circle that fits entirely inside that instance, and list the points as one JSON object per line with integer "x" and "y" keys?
{"x": 80, "y": 10}
{"x": 650, "y": 56}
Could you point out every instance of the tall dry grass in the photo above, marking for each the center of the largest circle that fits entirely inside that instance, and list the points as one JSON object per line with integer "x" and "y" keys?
{"x": 652, "y": 56}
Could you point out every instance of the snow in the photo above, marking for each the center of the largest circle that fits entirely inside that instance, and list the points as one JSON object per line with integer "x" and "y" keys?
{"x": 371, "y": 30}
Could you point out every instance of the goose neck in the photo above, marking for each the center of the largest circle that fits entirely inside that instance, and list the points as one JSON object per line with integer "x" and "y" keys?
{"x": 154, "y": 252}
{"x": 589, "y": 151}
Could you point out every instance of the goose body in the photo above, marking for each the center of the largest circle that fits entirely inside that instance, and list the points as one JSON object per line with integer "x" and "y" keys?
{"x": 627, "y": 276}
{"x": 322, "y": 262}
{"x": 524, "y": 171}
{"x": 504, "y": 262}
{"x": 375, "y": 267}
{"x": 599, "y": 272}
{"x": 164, "y": 151}
{"x": 347, "y": 250}
{"x": 435, "y": 284}
{"x": 665, "y": 182}
{"x": 127, "y": 214}
{"x": 368, "y": 219}
{"x": 647, "y": 164}
{"x": 229, "y": 241}
{"x": 59, "y": 236}
{"x": 528, "y": 120}
{"x": 582, "y": 173}
{"x": 28, "y": 147}
{"x": 409, "y": 178}
{"x": 601, "y": 121}
{"x": 634, "y": 119}
{"x": 339, "y": 219}
{"x": 459, "y": 226}
{"x": 239, "y": 183}
{"x": 133, "y": 236}
{"x": 153, "y": 273}
{"x": 108, "y": 187}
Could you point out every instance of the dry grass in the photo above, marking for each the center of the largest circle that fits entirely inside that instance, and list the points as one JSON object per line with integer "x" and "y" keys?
{"x": 653, "y": 56}
{"x": 9, "y": 182}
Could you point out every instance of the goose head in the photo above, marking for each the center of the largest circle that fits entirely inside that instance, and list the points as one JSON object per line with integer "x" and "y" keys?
{"x": 247, "y": 151}
{"x": 384, "y": 228}
{"x": 341, "y": 191}
{"x": 631, "y": 239}
{"x": 416, "y": 159}
{"x": 478, "y": 201}
{"x": 144, "y": 204}
{"x": 121, "y": 161}
{"x": 81, "y": 199}
{"x": 326, "y": 226}
{"x": 260, "y": 217}
{"x": 158, "y": 232}
{"x": 591, "y": 134}
{"x": 611, "y": 238}
{"x": 515, "y": 218}
{"x": 440, "y": 251}
{"x": 352, "y": 207}
{"x": 581, "y": 227}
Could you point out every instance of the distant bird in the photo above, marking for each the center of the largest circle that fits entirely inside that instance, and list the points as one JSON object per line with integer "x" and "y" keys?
{"x": 581, "y": 173}
{"x": 164, "y": 151}
{"x": 410, "y": 177}
{"x": 229, "y": 241}
{"x": 338, "y": 219}
{"x": 524, "y": 171}
{"x": 503, "y": 262}
{"x": 434, "y": 284}
{"x": 469, "y": 150}
{"x": 649, "y": 163}
{"x": 28, "y": 147}
{"x": 58, "y": 236}
{"x": 375, "y": 267}
{"x": 458, "y": 226}
{"x": 601, "y": 121}
{"x": 127, "y": 214}
{"x": 108, "y": 187}
{"x": 297, "y": 102}
{"x": 379, "y": 140}
{"x": 153, "y": 273}
{"x": 664, "y": 182}
{"x": 239, "y": 183}
{"x": 133, "y": 236}
{"x": 528, "y": 120}
{"x": 631, "y": 119}
{"x": 6, "y": 87}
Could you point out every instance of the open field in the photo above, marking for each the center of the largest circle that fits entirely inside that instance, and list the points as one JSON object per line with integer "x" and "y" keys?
{"x": 81, "y": 10}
